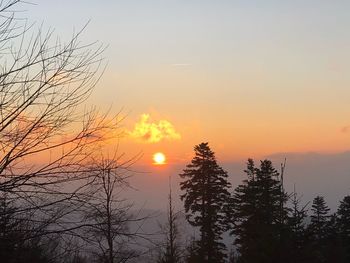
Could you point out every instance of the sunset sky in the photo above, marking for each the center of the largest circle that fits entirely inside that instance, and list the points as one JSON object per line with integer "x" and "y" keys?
{"x": 253, "y": 78}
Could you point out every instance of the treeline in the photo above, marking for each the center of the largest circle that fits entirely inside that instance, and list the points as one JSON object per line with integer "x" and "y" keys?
{"x": 266, "y": 223}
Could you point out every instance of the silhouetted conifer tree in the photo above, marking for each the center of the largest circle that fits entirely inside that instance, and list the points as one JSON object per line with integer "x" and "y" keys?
{"x": 343, "y": 226}
{"x": 333, "y": 247}
{"x": 318, "y": 229}
{"x": 206, "y": 195}
{"x": 319, "y": 218}
{"x": 256, "y": 214}
{"x": 297, "y": 227}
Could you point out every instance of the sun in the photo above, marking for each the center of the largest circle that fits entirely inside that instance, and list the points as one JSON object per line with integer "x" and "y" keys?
{"x": 159, "y": 158}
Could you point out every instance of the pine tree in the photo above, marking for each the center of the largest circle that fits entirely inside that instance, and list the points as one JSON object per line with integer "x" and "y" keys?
{"x": 343, "y": 226}
{"x": 319, "y": 218}
{"x": 297, "y": 227}
{"x": 333, "y": 248}
{"x": 257, "y": 213}
{"x": 244, "y": 217}
{"x": 206, "y": 195}
{"x": 318, "y": 229}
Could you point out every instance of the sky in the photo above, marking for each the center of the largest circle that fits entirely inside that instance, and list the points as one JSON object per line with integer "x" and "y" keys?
{"x": 253, "y": 78}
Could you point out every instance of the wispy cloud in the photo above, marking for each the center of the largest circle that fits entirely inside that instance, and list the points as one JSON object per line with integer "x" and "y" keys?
{"x": 152, "y": 132}
{"x": 181, "y": 65}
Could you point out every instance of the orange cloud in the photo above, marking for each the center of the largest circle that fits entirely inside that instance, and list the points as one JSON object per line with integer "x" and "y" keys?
{"x": 152, "y": 132}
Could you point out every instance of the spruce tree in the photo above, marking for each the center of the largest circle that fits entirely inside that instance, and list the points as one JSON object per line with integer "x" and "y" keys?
{"x": 318, "y": 229}
{"x": 244, "y": 217}
{"x": 333, "y": 247}
{"x": 297, "y": 228}
{"x": 256, "y": 214}
{"x": 206, "y": 195}
{"x": 343, "y": 226}
{"x": 319, "y": 218}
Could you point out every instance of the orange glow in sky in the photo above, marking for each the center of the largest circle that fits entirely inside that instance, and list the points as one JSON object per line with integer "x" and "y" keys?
{"x": 159, "y": 158}
{"x": 152, "y": 132}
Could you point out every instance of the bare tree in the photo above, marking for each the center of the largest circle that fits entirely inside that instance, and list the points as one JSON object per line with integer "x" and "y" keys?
{"x": 109, "y": 216}
{"x": 47, "y": 137}
{"x": 171, "y": 250}
{"x": 49, "y": 143}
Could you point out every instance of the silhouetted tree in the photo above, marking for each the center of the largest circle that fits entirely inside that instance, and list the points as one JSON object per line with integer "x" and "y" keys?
{"x": 318, "y": 229}
{"x": 171, "y": 251}
{"x": 320, "y": 217}
{"x": 334, "y": 251}
{"x": 243, "y": 209}
{"x": 256, "y": 213}
{"x": 46, "y": 136}
{"x": 343, "y": 226}
{"x": 206, "y": 195}
{"x": 298, "y": 235}
{"x": 108, "y": 215}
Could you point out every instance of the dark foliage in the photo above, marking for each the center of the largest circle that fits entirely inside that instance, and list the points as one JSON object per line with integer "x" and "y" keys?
{"x": 343, "y": 228}
{"x": 206, "y": 194}
{"x": 297, "y": 231}
{"x": 318, "y": 229}
{"x": 258, "y": 215}
{"x": 15, "y": 247}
